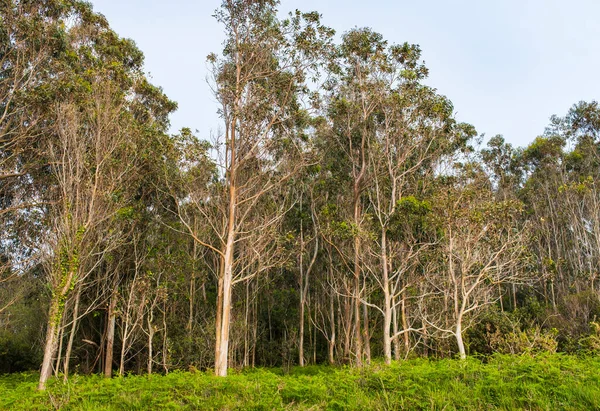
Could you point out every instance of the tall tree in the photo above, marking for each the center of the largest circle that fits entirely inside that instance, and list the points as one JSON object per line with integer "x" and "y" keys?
{"x": 481, "y": 245}
{"x": 259, "y": 82}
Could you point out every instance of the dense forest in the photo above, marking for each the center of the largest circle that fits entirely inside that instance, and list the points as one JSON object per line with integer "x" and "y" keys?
{"x": 339, "y": 214}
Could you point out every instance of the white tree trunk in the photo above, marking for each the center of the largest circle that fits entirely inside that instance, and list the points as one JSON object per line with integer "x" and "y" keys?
{"x": 221, "y": 360}
{"x": 459, "y": 340}
{"x": 54, "y": 318}
{"x": 387, "y": 306}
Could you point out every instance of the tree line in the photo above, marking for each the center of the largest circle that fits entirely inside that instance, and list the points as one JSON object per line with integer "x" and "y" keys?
{"x": 339, "y": 214}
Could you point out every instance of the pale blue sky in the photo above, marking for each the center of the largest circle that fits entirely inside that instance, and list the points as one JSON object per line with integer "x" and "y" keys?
{"x": 507, "y": 65}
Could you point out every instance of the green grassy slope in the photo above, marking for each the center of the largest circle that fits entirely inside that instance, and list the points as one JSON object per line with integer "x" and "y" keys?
{"x": 504, "y": 382}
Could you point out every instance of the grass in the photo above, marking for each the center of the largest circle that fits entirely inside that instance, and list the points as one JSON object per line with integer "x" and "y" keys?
{"x": 553, "y": 382}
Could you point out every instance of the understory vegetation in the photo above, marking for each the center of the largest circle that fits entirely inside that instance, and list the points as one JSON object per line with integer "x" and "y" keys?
{"x": 547, "y": 382}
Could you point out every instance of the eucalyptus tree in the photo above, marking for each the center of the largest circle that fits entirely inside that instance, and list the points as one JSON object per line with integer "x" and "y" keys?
{"x": 505, "y": 167}
{"x": 334, "y": 220}
{"x": 482, "y": 243}
{"x": 561, "y": 194}
{"x": 358, "y": 74}
{"x": 29, "y": 38}
{"x": 94, "y": 105}
{"x": 259, "y": 82}
{"x": 579, "y": 191}
{"x": 544, "y": 160}
{"x": 414, "y": 130}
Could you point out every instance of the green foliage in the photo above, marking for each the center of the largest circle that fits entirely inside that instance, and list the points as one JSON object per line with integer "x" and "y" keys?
{"x": 22, "y": 327}
{"x": 503, "y": 382}
{"x": 591, "y": 343}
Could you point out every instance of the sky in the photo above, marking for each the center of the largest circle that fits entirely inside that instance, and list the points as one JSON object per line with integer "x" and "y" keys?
{"x": 507, "y": 65}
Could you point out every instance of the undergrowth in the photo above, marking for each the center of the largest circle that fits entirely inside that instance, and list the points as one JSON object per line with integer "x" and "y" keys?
{"x": 549, "y": 382}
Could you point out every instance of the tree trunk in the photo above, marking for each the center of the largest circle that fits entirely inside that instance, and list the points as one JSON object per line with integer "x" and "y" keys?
{"x": 358, "y": 347}
{"x": 110, "y": 334}
{"x": 61, "y": 338}
{"x": 366, "y": 334}
{"x": 247, "y": 327}
{"x": 190, "y": 322}
{"x": 72, "y": 334}
{"x": 221, "y": 360}
{"x": 405, "y": 325}
{"x": 395, "y": 340}
{"x": 301, "y": 332}
{"x": 387, "y": 302}
{"x": 226, "y": 281}
{"x": 54, "y": 318}
{"x": 55, "y": 315}
{"x": 459, "y": 339}
{"x": 165, "y": 348}
{"x": 150, "y": 344}
{"x": 150, "y": 350}
{"x": 219, "y": 314}
{"x": 151, "y": 330}
{"x": 315, "y": 343}
{"x": 122, "y": 359}
{"x": 347, "y": 323}
{"x": 332, "y": 323}
{"x": 304, "y": 283}
{"x": 302, "y": 299}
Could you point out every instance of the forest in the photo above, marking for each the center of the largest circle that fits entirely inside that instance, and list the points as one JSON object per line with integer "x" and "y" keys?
{"x": 340, "y": 215}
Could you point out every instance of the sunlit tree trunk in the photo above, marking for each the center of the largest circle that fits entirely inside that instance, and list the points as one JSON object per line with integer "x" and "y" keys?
{"x": 55, "y": 315}
{"x": 72, "y": 333}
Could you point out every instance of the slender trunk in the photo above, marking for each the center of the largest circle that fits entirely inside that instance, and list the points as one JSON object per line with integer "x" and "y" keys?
{"x": 304, "y": 283}
{"x": 190, "y": 323}
{"x": 54, "y": 318}
{"x": 110, "y": 334}
{"x": 127, "y": 326}
{"x": 302, "y": 297}
{"x": 315, "y": 343}
{"x": 387, "y": 302}
{"x": 358, "y": 347}
{"x": 332, "y": 324}
{"x": 459, "y": 339}
{"x": 122, "y": 359}
{"x": 247, "y": 327}
{"x": 405, "y": 324}
{"x": 553, "y": 295}
{"x": 366, "y": 334}
{"x": 72, "y": 334}
{"x": 226, "y": 282}
{"x": 55, "y": 315}
{"x": 150, "y": 341}
{"x": 223, "y": 334}
{"x": 425, "y": 340}
{"x": 301, "y": 342}
{"x": 347, "y": 328}
{"x": 254, "y": 330}
{"x": 61, "y": 337}
{"x": 219, "y": 314}
{"x": 165, "y": 348}
{"x": 395, "y": 340}
{"x": 191, "y": 309}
